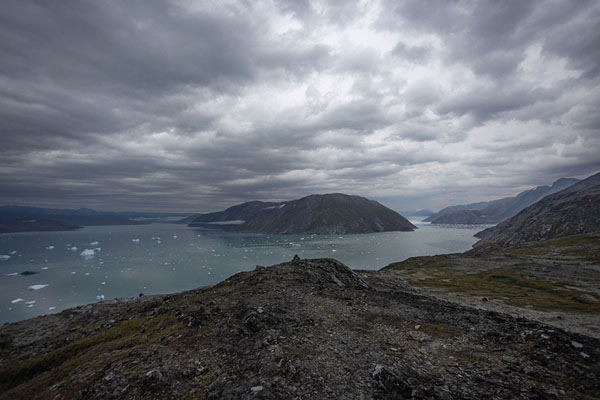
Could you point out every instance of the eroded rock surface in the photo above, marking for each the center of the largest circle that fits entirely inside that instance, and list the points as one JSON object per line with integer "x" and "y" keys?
{"x": 305, "y": 329}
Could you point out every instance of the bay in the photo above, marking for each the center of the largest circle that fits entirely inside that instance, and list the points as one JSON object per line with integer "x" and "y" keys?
{"x": 124, "y": 261}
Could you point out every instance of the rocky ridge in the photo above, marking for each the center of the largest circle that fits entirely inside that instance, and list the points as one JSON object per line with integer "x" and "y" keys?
{"x": 573, "y": 211}
{"x": 303, "y": 329}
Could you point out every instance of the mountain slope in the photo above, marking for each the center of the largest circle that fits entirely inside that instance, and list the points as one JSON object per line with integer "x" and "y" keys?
{"x": 498, "y": 210}
{"x": 316, "y": 214}
{"x": 573, "y": 211}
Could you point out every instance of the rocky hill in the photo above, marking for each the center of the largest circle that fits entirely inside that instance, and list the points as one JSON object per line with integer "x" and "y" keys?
{"x": 316, "y": 214}
{"x": 495, "y": 211}
{"x": 573, "y": 211}
{"x": 305, "y": 329}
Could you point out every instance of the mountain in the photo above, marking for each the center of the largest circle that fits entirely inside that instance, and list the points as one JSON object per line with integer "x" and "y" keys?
{"x": 316, "y": 214}
{"x": 417, "y": 213}
{"x": 572, "y": 211}
{"x": 495, "y": 211}
{"x": 305, "y": 329}
{"x": 82, "y": 216}
{"x": 34, "y": 225}
{"x": 461, "y": 217}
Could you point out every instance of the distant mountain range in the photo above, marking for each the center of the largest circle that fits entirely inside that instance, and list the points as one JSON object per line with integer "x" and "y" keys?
{"x": 572, "y": 211}
{"x": 34, "y": 225}
{"x": 82, "y": 216}
{"x": 316, "y": 214}
{"x": 492, "y": 212}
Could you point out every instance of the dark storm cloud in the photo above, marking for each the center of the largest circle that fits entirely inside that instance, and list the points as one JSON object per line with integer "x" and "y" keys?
{"x": 180, "y": 105}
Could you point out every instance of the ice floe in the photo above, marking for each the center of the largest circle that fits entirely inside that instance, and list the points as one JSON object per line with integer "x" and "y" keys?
{"x": 37, "y": 287}
{"x": 94, "y": 244}
{"x": 90, "y": 253}
{"x": 49, "y": 247}
{"x": 13, "y": 252}
{"x": 12, "y": 274}
{"x": 74, "y": 248}
{"x": 44, "y": 267}
{"x": 51, "y": 308}
{"x": 4, "y": 257}
{"x": 135, "y": 240}
{"x": 17, "y": 300}
{"x": 100, "y": 297}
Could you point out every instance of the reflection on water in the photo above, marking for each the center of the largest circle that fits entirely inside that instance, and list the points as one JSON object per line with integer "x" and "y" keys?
{"x": 46, "y": 272}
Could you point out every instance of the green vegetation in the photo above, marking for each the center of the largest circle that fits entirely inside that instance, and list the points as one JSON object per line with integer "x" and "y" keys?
{"x": 74, "y": 364}
{"x": 584, "y": 247}
{"x": 501, "y": 283}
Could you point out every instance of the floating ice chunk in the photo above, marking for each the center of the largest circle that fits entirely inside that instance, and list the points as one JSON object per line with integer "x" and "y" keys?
{"x": 13, "y": 252}
{"x": 135, "y": 240}
{"x": 32, "y": 302}
{"x": 103, "y": 283}
{"x": 37, "y": 287}
{"x": 49, "y": 247}
{"x": 158, "y": 241}
{"x": 17, "y": 300}
{"x": 74, "y": 248}
{"x": 44, "y": 267}
{"x": 100, "y": 297}
{"x": 12, "y": 274}
{"x": 94, "y": 244}
{"x": 98, "y": 249}
{"x": 87, "y": 273}
{"x": 73, "y": 272}
{"x": 87, "y": 253}
{"x": 51, "y": 308}
{"x": 4, "y": 257}
{"x": 174, "y": 236}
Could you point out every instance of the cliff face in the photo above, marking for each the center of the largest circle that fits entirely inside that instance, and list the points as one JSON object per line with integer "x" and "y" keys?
{"x": 303, "y": 329}
{"x": 573, "y": 211}
{"x": 317, "y": 214}
{"x": 495, "y": 211}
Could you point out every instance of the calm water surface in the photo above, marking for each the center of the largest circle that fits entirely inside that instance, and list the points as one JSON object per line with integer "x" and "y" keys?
{"x": 124, "y": 261}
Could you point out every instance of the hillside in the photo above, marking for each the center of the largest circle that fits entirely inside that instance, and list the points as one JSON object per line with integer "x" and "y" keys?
{"x": 573, "y": 211}
{"x": 305, "y": 329}
{"x": 316, "y": 214}
{"x": 492, "y": 212}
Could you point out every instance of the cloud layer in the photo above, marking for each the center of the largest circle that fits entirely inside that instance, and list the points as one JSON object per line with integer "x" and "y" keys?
{"x": 196, "y": 106}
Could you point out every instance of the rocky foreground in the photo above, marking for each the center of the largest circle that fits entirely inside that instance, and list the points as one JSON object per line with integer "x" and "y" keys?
{"x": 305, "y": 329}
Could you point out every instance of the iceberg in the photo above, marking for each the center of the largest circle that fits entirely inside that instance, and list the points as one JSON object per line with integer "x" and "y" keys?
{"x": 37, "y": 287}
{"x": 12, "y": 274}
{"x": 17, "y": 300}
{"x": 87, "y": 253}
{"x": 135, "y": 240}
{"x": 4, "y": 257}
{"x": 74, "y": 248}
{"x": 12, "y": 253}
{"x": 94, "y": 244}
{"x": 100, "y": 297}
{"x": 49, "y": 247}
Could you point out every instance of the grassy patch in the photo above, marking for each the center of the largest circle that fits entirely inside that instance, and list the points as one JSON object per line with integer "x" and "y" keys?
{"x": 518, "y": 290}
{"x": 584, "y": 247}
{"x": 73, "y": 364}
{"x": 442, "y": 331}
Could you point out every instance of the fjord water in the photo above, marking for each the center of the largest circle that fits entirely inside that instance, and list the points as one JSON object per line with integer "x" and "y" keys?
{"x": 165, "y": 258}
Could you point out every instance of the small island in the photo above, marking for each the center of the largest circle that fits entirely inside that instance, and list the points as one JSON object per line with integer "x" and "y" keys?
{"x": 324, "y": 214}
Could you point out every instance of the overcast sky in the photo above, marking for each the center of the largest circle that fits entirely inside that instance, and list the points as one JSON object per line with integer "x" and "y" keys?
{"x": 199, "y": 105}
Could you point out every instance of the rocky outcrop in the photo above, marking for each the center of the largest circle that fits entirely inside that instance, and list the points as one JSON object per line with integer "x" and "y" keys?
{"x": 573, "y": 211}
{"x": 492, "y": 212}
{"x": 316, "y": 214}
{"x": 304, "y": 329}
